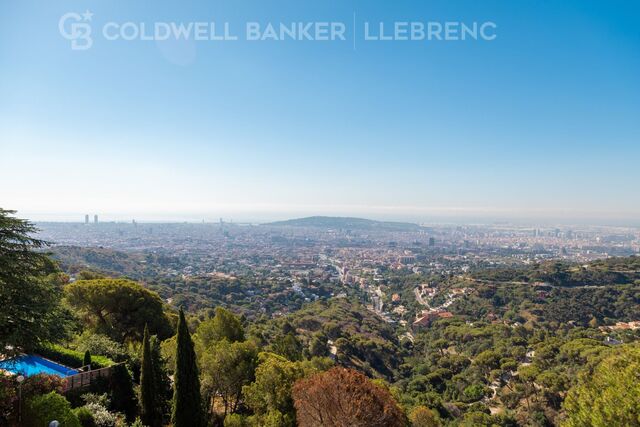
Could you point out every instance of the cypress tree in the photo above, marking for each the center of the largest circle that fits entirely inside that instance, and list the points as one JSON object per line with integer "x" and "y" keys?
{"x": 87, "y": 358}
{"x": 161, "y": 379}
{"x": 148, "y": 394}
{"x": 187, "y": 403}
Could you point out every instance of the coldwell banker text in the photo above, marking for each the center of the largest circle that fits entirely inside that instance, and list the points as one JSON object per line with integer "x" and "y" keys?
{"x": 301, "y": 31}
{"x": 78, "y": 28}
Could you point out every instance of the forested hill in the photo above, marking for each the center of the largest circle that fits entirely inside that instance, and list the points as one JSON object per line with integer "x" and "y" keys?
{"x": 110, "y": 262}
{"x": 346, "y": 223}
{"x": 599, "y": 293}
{"x": 344, "y": 328}
{"x": 611, "y": 271}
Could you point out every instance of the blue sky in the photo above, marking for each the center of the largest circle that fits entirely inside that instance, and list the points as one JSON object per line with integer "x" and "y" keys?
{"x": 540, "y": 123}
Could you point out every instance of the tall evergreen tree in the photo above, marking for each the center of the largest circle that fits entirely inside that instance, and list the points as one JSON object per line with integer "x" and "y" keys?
{"x": 87, "y": 358}
{"x": 30, "y": 312}
{"x": 151, "y": 414}
{"x": 187, "y": 403}
{"x": 161, "y": 378}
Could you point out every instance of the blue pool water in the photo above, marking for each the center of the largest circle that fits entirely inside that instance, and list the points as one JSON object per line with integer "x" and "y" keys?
{"x": 28, "y": 365}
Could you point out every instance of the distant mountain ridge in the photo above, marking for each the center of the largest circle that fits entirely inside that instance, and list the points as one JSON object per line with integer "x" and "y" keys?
{"x": 345, "y": 223}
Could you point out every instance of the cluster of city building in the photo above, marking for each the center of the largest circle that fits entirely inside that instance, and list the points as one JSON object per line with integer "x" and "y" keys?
{"x": 355, "y": 259}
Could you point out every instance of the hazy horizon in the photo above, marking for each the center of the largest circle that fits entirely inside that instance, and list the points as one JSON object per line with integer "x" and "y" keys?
{"x": 462, "y": 218}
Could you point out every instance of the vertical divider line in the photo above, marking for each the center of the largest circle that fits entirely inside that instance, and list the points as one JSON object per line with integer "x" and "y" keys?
{"x": 354, "y": 30}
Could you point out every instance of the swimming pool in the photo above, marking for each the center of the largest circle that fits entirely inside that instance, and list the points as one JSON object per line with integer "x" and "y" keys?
{"x": 28, "y": 365}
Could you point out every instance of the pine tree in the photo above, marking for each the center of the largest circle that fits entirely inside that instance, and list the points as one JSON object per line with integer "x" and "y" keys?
{"x": 187, "y": 403}
{"x": 150, "y": 411}
{"x": 30, "y": 312}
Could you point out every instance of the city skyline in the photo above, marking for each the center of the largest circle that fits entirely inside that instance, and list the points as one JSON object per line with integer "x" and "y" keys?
{"x": 262, "y": 217}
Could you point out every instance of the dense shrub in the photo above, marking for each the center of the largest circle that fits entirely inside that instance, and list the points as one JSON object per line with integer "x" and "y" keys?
{"x": 101, "y": 415}
{"x": 40, "y": 410}
{"x": 39, "y": 384}
{"x": 33, "y": 386}
{"x": 8, "y": 397}
{"x": 97, "y": 405}
{"x": 85, "y": 417}
{"x": 422, "y": 416}
{"x": 137, "y": 423}
{"x": 235, "y": 420}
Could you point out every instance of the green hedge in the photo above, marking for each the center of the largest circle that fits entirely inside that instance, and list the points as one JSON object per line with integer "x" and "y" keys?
{"x": 72, "y": 358}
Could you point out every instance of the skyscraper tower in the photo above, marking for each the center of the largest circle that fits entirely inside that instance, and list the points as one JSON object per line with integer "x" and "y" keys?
{"x": 86, "y": 219}
{"x": 95, "y": 219}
